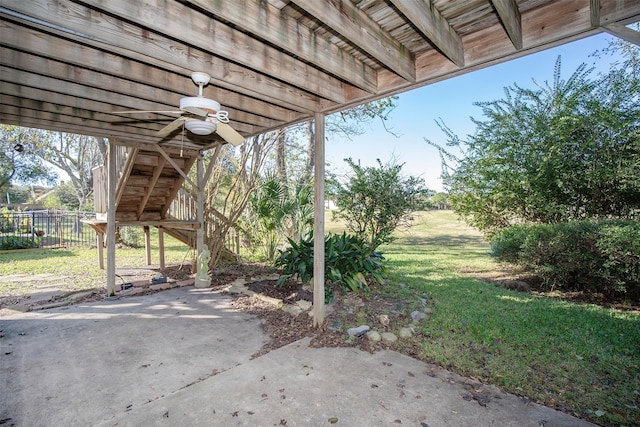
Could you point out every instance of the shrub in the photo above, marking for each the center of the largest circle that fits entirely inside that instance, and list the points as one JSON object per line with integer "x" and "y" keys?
{"x": 581, "y": 255}
{"x": 348, "y": 262}
{"x": 18, "y": 242}
{"x": 131, "y": 236}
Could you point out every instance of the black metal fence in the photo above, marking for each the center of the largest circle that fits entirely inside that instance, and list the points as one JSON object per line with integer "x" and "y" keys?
{"x": 44, "y": 229}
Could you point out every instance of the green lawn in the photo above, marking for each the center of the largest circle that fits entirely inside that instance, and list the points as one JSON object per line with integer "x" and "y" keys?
{"x": 581, "y": 357}
{"x": 78, "y": 266}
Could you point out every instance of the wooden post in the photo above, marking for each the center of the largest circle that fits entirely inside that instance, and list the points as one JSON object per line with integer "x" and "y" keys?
{"x": 199, "y": 209}
{"x": 111, "y": 220}
{"x": 100, "y": 244}
{"x": 147, "y": 243}
{"x": 161, "y": 246}
{"x": 318, "y": 223}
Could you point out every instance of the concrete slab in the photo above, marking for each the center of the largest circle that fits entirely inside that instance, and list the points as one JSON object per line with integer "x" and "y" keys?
{"x": 82, "y": 364}
{"x": 301, "y": 386}
{"x": 183, "y": 357}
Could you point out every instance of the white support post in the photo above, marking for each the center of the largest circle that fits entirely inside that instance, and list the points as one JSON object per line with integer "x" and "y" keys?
{"x": 318, "y": 223}
{"x": 111, "y": 220}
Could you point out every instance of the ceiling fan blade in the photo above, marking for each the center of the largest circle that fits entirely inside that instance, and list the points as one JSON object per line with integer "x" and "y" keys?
{"x": 196, "y": 111}
{"x": 165, "y": 131}
{"x": 142, "y": 111}
{"x": 229, "y": 134}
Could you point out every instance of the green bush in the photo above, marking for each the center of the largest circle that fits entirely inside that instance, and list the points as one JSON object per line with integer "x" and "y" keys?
{"x": 348, "y": 262}
{"x": 18, "y": 242}
{"x": 131, "y": 236}
{"x": 581, "y": 255}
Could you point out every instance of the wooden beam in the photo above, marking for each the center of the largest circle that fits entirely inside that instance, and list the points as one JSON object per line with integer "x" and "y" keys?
{"x": 199, "y": 213}
{"x": 220, "y": 39}
{"x": 343, "y": 17}
{"x": 152, "y": 183}
{"x": 267, "y": 22}
{"x": 161, "y": 247}
{"x": 119, "y": 44}
{"x": 428, "y": 20}
{"x": 318, "y": 222}
{"x": 111, "y": 219}
{"x": 125, "y": 174}
{"x": 147, "y": 243}
{"x": 179, "y": 182}
{"x": 623, "y": 32}
{"x": 140, "y": 96}
{"x": 175, "y": 166}
{"x": 595, "y": 12}
{"x": 100, "y": 247}
{"x": 510, "y": 16}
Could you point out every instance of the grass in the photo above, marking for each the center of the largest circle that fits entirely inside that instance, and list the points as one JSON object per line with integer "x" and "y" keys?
{"x": 77, "y": 267}
{"x": 584, "y": 358}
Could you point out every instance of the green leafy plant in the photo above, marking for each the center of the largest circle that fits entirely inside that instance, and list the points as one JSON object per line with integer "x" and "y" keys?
{"x": 348, "y": 262}
{"x": 131, "y": 236}
{"x": 18, "y": 242}
{"x": 375, "y": 201}
{"x": 588, "y": 256}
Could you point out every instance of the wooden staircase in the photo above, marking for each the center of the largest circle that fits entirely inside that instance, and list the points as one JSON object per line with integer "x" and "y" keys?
{"x": 149, "y": 191}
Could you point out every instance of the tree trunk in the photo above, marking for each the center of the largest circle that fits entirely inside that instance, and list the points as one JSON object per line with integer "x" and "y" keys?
{"x": 311, "y": 147}
{"x": 281, "y": 168}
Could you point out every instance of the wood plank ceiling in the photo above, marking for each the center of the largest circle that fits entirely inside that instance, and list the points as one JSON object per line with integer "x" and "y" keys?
{"x": 68, "y": 65}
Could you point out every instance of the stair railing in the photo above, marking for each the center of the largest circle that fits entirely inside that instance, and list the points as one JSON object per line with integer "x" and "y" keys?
{"x": 183, "y": 207}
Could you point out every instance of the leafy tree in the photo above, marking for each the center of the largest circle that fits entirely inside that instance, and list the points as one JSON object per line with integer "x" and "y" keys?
{"x": 18, "y": 161}
{"x": 375, "y": 201}
{"x": 569, "y": 149}
{"x": 439, "y": 201}
{"x": 76, "y": 155}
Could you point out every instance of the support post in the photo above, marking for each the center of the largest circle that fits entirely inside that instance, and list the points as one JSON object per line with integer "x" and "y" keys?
{"x": 318, "y": 223}
{"x": 100, "y": 247}
{"x": 202, "y": 262}
{"x": 161, "y": 247}
{"x": 111, "y": 220}
{"x": 147, "y": 243}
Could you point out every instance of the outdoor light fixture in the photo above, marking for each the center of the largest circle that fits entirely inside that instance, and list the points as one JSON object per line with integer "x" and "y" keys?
{"x": 200, "y": 127}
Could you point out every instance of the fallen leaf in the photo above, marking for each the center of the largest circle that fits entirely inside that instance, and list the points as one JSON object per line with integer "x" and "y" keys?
{"x": 333, "y": 420}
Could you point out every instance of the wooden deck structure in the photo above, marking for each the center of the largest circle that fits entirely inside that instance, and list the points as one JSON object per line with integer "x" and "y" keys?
{"x": 70, "y": 65}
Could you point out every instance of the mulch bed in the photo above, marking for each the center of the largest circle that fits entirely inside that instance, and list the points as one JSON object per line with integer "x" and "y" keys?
{"x": 346, "y": 311}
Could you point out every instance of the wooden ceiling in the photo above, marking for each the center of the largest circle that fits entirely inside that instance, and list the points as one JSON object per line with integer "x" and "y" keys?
{"x": 68, "y": 65}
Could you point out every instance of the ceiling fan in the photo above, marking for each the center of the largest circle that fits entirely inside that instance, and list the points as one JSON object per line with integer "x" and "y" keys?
{"x": 199, "y": 115}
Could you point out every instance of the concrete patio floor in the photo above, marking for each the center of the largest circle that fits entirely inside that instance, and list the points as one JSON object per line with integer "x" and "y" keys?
{"x": 182, "y": 357}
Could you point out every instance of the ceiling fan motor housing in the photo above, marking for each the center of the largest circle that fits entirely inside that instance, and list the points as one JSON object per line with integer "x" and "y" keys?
{"x": 200, "y": 127}
{"x": 200, "y": 102}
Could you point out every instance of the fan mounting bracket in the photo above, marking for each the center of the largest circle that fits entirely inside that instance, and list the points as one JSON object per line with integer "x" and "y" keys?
{"x": 201, "y": 79}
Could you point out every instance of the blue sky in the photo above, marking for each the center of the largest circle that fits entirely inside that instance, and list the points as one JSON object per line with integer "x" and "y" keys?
{"x": 452, "y": 100}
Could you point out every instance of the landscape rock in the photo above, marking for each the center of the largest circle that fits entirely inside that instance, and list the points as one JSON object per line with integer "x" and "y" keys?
{"x": 294, "y": 310}
{"x": 418, "y": 315}
{"x": 383, "y": 319}
{"x": 359, "y": 331}
{"x": 388, "y": 337}
{"x": 406, "y": 333}
{"x": 304, "y": 304}
{"x": 374, "y": 336}
{"x": 428, "y": 310}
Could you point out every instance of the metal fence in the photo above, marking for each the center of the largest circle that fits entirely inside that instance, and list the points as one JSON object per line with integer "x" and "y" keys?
{"x": 45, "y": 229}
